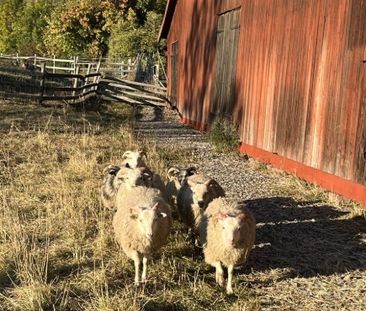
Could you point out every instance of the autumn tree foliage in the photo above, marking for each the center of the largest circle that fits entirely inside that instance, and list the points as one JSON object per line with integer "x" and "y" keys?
{"x": 88, "y": 28}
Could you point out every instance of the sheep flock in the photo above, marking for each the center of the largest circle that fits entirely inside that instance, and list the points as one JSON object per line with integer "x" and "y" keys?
{"x": 144, "y": 208}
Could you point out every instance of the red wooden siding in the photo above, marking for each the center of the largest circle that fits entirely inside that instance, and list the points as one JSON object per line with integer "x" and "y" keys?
{"x": 300, "y": 90}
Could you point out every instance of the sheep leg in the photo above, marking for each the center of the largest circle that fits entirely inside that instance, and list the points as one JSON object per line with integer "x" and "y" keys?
{"x": 144, "y": 269}
{"x": 136, "y": 259}
{"x": 219, "y": 273}
{"x": 229, "y": 289}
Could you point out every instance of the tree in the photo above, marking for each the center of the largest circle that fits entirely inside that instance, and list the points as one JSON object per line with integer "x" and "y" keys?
{"x": 128, "y": 38}
{"x": 10, "y": 10}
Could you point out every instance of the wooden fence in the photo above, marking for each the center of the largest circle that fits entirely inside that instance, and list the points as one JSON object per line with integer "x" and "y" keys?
{"x": 39, "y": 81}
{"x": 46, "y": 79}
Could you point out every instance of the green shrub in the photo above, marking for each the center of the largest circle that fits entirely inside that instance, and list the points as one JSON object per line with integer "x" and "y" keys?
{"x": 224, "y": 135}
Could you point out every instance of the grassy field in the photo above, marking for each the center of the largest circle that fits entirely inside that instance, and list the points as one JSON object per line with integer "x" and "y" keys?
{"x": 57, "y": 250}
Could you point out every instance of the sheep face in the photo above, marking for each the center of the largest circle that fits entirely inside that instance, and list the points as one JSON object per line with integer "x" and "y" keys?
{"x": 201, "y": 193}
{"x": 133, "y": 177}
{"x": 133, "y": 159}
{"x": 231, "y": 228}
{"x": 177, "y": 176}
{"x": 148, "y": 220}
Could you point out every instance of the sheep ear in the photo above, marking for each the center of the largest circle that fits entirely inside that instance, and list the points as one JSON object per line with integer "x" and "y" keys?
{"x": 142, "y": 154}
{"x": 126, "y": 154}
{"x": 111, "y": 169}
{"x": 241, "y": 217}
{"x": 173, "y": 171}
{"x": 210, "y": 183}
{"x": 191, "y": 171}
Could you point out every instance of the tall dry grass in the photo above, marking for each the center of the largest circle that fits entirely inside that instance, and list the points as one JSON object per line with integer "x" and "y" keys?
{"x": 57, "y": 250}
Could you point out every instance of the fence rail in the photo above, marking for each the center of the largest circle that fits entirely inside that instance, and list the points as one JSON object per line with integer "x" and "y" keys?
{"x": 48, "y": 79}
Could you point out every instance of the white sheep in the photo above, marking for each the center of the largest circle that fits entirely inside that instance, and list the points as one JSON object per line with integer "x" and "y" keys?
{"x": 194, "y": 196}
{"x": 109, "y": 186}
{"x": 176, "y": 177}
{"x": 227, "y": 233}
{"x": 141, "y": 225}
{"x": 134, "y": 159}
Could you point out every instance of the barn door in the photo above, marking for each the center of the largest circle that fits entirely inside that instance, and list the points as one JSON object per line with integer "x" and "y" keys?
{"x": 174, "y": 74}
{"x": 228, "y": 28}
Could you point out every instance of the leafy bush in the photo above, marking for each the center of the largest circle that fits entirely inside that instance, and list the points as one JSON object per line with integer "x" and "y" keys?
{"x": 224, "y": 135}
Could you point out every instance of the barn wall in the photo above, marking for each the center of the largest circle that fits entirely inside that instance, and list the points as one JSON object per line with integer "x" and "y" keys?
{"x": 300, "y": 81}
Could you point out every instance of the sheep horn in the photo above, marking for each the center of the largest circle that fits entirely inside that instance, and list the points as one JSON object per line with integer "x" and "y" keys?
{"x": 173, "y": 171}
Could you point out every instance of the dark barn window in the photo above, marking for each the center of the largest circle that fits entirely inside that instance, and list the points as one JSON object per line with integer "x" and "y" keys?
{"x": 228, "y": 29}
{"x": 174, "y": 74}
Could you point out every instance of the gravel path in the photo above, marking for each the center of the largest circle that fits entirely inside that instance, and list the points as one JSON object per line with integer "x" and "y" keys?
{"x": 309, "y": 255}
{"x": 230, "y": 170}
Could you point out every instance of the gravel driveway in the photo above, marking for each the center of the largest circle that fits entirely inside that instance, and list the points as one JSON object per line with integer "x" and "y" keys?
{"x": 309, "y": 254}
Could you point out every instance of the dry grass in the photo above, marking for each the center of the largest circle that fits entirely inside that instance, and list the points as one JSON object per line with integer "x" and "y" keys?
{"x": 57, "y": 250}
{"x": 56, "y": 246}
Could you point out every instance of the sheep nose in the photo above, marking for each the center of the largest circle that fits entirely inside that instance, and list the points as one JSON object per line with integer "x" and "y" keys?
{"x": 201, "y": 204}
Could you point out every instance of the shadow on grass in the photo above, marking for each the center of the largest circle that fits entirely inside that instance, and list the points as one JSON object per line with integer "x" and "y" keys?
{"x": 308, "y": 238}
{"x": 163, "y": 306}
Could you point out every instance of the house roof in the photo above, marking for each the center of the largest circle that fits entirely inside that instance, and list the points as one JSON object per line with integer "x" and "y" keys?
{"x": 167, "y": 20}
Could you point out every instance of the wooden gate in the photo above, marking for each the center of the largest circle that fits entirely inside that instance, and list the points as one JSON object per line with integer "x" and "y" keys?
{"x": 228, "y": 29}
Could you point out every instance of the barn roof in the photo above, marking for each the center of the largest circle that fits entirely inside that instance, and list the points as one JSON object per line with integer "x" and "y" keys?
{"x": 168, "y": 16}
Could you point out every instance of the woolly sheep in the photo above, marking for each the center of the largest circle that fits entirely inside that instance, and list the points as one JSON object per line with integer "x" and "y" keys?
{"x": 194, "y": 196}
{"x": 134, "y": 159}
{"x": 117, "y": 177}
{"x": 109, "y": 186}
{"x": 176, "y": 177}
{"x": 141, "y": 225}
{"x": 227, "y": 233}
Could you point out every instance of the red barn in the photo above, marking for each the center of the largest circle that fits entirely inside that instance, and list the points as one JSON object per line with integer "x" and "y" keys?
{"x": 290, "y": 73}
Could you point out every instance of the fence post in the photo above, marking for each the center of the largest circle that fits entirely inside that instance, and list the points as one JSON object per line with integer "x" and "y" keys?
{"x": 76, "y": 59}
{"x": 122, "y": 66}
{"x": 75, "y": 84}
{"x": 35, "y": 60}
{"x": 41, "y": 84}
{"x": 86, "y": 80}
{"x": 97, "y": 78}
{"x": 54, "y": 64}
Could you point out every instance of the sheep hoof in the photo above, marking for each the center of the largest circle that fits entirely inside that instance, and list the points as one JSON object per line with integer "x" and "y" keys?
{"x": 229, "y": 291}
{"x": 220, "y": 281}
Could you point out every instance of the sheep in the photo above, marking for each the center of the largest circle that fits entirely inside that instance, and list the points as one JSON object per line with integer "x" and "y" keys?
{"x": 227, "y": 233}
{"x": 133, "y": 159}
{"x": 176, "y": 177}
{"x": 109, "y": 186}
{"x": 193, "y": 198}
{"x": 117, "y": 177}
{"x": 141, "y": 225}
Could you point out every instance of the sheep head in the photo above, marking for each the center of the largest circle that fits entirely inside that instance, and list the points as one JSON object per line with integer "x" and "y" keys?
{"x": 148, "y": 219}
{"x": 133, "y": 177}
{"x": 133, "y": 159}
{"x": 111, "y": 170}
{"x": 204, "y": 193}
{"x": 231, "y": 226}
{"x": 179, "y": 175}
